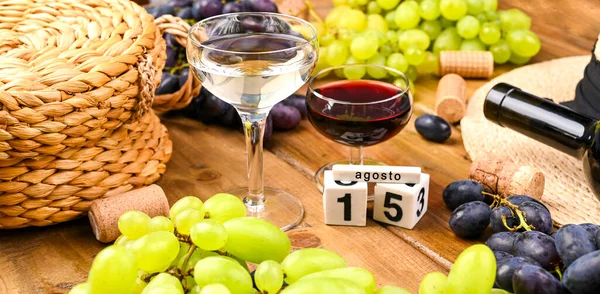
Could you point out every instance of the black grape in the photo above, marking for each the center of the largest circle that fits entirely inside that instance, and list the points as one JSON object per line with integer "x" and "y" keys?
{"x": 207, "y": 8}
{"x": 537, "y": 216}
{"x": 461, "y": 192}
{"x": 598, "y": 240}
{"x": 263, "y": 6}
{"x": 518, "y": 199}
{"x": 496, "y": 219}
{"x": 183, "y": 76}
{"x": 502, "y": 241}
{"x": 285, "y": 117}
{"x": 433, "y": 128}
{"x": 583, "y": 275}
{"x": 233, "y": 7}
{"x": 591, "y": 228}
{"x": 180, "y": 3}
{"x": 506, "y": 268}
{"x": 538, "y": 246}
{"x": 268, "y": 129}
{"x": 253, "y": 24}
{"x": 572, "y": 242}
{"x": 162, "y": 10}
{"x": 470, "y": 219}
{"x": 169, "y": 84}
{"x": 230, "y": 118}
{"x": 211, "y": 108}
{"x": 150, "y": 9}
{"x": 501, "y": 255}
{"x": 171, "y": 41}
{"x": 298, "y": 102}
{"x": 532, "y": 279}
{"x": 186, "y": 13}
{"x": 171, "y": 60}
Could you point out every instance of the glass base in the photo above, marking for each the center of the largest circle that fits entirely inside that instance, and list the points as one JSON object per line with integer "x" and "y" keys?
{"x": 280, "y": 208}
{"x": 321, "y": 172}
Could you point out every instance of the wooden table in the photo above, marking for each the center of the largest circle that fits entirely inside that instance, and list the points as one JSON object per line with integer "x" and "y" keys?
{"x": 210, "y": 159}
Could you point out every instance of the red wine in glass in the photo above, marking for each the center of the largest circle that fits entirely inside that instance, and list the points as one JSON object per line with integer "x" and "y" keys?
{"x": 359, "y": 113}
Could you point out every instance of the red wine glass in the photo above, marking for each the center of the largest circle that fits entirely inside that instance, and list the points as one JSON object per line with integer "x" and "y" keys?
{"x": 359, "y": 112}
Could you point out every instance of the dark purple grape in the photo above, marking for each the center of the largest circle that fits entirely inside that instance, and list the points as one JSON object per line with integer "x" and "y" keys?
{"x": 506, "y": 268}
{"x": 183, "y": 76}
{"x": 169, "y": 84}
{"x": 162, "y": 10}
{"x": 230, "y": 118}
{"x": 461, "y": 192}
{"x": 538, "y": 246}
{"x": 502, "y": 241}
{"x": 263, "y": 6}
{"x": 518, "y": 199}
{"x": 591, "y": 228}
{"x": 171, "y": 41}
{"x": 253, "y": 24}
{"x": 598, "y": 240}
{"x": 234, "y": 7}
{"x": 186, "y": 13}
{"x": 171, "y": 60}
{"x": 206, "y": 8}
{"x": 532, "y": 279}
{"x": 211, "y": 108}
{"x": 572, "y": 242}
{"x": 285, "y": 117}
{"x": 537, "y": 216}
{"x": 496, "y": 219}
{"x": 298, "y": 102}
{"x": 433, "y": 128}
{"x": 501, "y": 255}
{"x": 583, "y": 275}
{"x": 470, "y": 219}
{"x": 180, "y": 3}
{"x": 150, "y": 9}
{"x": 268, "y": 129}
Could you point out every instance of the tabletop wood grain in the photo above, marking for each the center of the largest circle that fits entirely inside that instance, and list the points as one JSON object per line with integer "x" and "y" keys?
{"x": 210, "y": 159}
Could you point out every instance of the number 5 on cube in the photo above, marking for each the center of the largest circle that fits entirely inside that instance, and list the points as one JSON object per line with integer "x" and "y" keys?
{"x": 344, "y": 203}
{"x": 401, "y": 205}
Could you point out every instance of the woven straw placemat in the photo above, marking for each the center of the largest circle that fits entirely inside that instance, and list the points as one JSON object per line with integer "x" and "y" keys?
{"x": 566, "y": 192}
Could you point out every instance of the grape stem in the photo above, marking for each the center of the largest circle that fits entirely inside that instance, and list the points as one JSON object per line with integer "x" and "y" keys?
{"x": 187, "y": 257}
{"x": 557, "y": 269}
{"x": 147, "y": 277}
{"x": 501, "y": 201}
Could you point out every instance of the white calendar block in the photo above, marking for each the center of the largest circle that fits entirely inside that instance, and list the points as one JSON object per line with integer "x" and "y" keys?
{"x": 344, "y": 203}
{"x": 377, "y": 173}
{"x": 401, "y": 204}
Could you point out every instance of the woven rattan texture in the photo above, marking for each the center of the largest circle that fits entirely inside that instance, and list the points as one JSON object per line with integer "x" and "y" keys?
{"x": 566, "y": 192}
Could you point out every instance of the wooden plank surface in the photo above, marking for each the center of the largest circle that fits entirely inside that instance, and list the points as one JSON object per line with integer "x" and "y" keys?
{"x": 208, "y": 160}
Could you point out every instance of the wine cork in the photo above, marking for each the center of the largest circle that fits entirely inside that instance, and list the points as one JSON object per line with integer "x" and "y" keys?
{"x": 451, "y": 98}
{"x": 467, "y": 64}
{"x": 104, "y": 213}
{"x": 500, "y": 175}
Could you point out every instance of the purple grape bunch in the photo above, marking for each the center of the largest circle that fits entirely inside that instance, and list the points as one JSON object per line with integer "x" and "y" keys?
{"x": 530, "y": 257}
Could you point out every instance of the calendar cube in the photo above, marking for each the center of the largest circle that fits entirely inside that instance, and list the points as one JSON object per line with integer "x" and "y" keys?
{"x": 401, "y": 204}
{"x": 344, "y": 203}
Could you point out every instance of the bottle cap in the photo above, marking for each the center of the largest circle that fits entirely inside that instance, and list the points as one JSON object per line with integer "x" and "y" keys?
{"x": 492, "y": 107}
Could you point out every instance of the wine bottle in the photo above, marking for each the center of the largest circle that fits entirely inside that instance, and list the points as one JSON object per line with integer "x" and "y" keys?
{"x": 552, "y": 124}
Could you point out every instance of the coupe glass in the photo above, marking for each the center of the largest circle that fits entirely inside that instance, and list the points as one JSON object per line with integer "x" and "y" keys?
{"x": 358, "y": 113}
{"x": 253, "y": 61}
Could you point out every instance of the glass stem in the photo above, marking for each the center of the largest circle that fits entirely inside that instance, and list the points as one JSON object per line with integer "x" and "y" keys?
{"x": 356, "y": 155}
{"x": 254, "y": 129}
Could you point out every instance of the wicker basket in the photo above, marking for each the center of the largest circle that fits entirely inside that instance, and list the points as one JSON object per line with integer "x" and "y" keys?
{"x": 77, "y": 79}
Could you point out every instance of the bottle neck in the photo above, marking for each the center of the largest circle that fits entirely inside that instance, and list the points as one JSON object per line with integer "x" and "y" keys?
{"x": 540, "y": 119}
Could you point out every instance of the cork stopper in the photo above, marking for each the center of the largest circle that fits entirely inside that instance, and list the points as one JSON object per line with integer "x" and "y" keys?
{"x": 104, "y": 213}
{"x": 467, "y": 64}
{"x": 451, "y": 98}
{"x": 500, "y": 175}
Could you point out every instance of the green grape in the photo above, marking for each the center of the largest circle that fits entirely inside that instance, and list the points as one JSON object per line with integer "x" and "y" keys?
{"x": 391, "y": 290}
{"x": 360, "y": 276}
{"x": 474, "y": 7}
{"x": 122, "y": 241}
{"x": 391, "y": 37}
{"x": 475, "y": 264}
{"x": 499, "y": 291}
{"x": 407, "y": 15}
{"x": 309, "y": 260}
{"x": 523, "y": 42}
{"x": 381, "y": 39}
{"x": 468, "y": 27}
{"x": 326, "y": 39}
{"x": 352, "y": 3}
{"x": 321, "y": 63}
{"x": 362, "y": 2}
{"x": 185, "y": 220}
{"x": 447, "y": 40}
{"x": 241, "y": 262}
{"x": 453, "y": 9}
{"x": 165, "y": 279}
{"x": 411, "y": 73}
{"x": 472, "y": 45}
{"x": 133, "y": 224}
{"x": 83, "y": 288}
{"x": 319, "y": 27}
{"x": 377, "y": 73}
{"x": 161, "y": 289}
{"x": 183, "y": 250}
{"x": 373, "y": 8}
{"x": 390, "y": 18}
{"x": 209, "y": 235}
{"x": 433, "y": 283}
{"x": 518, "y": 59}
{"x": 482, "y": 18}
{"x": 377, "y": 22}
{"x": 256, "y": 240}
{"x": 432, "y": 28}
{"x": 335, "y": 15}
{"x": 491, "y": 15}
{"x": 113, "y": 271}
{"x": 429, "y": 9}
{"x": 184, "y": 203}
{"x": 386, "y": 50}
{"x": 337, "y": 53}
{"x": 155, "y": 251}
{"x": 397, "y": 61}
{"x": 354, "y": 72}
{"x": 223, "y": 207}
{"x": 364, "y": 46}
{"x": 489, "y": 33}
{"x": 388, "y": 4}
{"x": 400, "y": 83}
{"x": 490, "y": 5}
{"x": 353, "y": 19}
{"x": 414, "y": 37}
{"x": 324, "y": 286}
{"x": 196, "y": 289}
{"x": 269, "y": 276}
{"x": 346, "y": 35}
{"x": 340, "y": 2}
{"x": 161, "y": 223}
{"x": 429, "y": 65}
{"x": 501, "y": 52}
{"x": 447, "y": 23}
{"x": 140, "y": 284}
{"x": 214, "y": 289}
{"x": 514, "y": 19}
{"x": 223, "y": 270}
{"x": 414, "y": 55}
{"x": 198, "y": 255}
{"x": 339, "y": 72}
